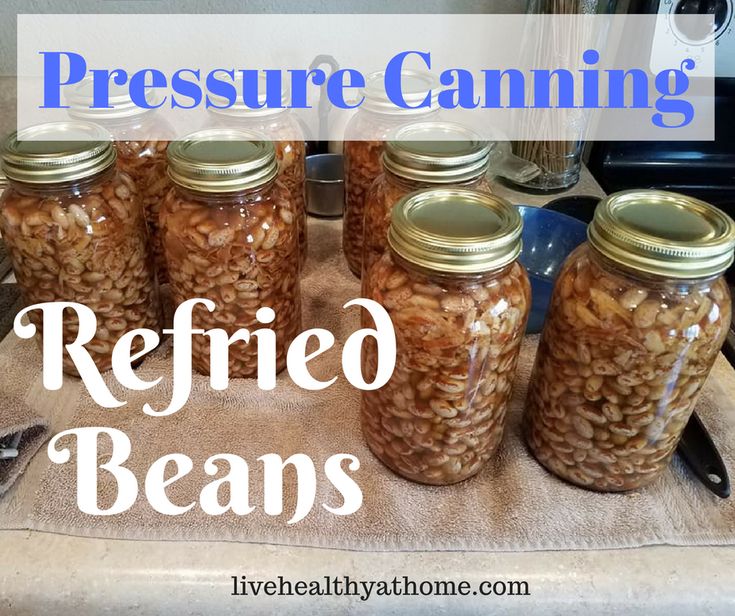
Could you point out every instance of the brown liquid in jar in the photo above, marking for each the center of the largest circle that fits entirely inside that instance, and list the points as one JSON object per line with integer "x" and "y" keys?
{"x": 290, "y": 154}
{"x": 145, "y": 162}
{"x": 619, "y": 368}
{"x": 362, "y": 167}
{"x": 241, "y": 251}
{"x": 84, "y": 242}
{"x": 441, "y": 415}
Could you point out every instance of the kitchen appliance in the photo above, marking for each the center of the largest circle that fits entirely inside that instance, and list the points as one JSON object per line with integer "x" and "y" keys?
{"x": 702, "y": 169}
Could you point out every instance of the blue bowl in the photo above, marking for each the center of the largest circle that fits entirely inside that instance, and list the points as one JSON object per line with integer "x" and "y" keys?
{"x": 548, "y": 239}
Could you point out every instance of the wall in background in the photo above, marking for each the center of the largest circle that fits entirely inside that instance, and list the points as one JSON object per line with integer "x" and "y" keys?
{"x": 10, "y": 8}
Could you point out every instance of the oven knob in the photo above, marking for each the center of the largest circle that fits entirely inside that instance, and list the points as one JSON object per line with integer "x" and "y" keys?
{"x": 719, "y": 9}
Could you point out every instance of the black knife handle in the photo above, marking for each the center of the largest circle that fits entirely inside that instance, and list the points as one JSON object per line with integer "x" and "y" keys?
{"x": 700, "y": 454}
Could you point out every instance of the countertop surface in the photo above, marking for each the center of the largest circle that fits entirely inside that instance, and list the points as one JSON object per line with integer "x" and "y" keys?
{"x": 49, "y": 573}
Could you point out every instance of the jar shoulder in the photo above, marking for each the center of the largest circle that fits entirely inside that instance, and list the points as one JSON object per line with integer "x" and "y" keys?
{"x": 115, "y": 192}
{"x": 468, "y": 302}
{"x": 592, "y": 294}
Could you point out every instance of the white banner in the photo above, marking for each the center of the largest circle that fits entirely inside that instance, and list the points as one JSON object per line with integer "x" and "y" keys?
{"x": 518, "y": 77}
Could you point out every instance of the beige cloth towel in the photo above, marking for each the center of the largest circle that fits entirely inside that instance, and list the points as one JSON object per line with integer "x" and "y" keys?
{"x": 513, "y": 504}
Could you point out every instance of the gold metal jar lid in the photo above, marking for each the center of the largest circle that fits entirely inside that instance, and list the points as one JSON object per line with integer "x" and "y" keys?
{"x": 57, "y": 152}
{"x": 239, "y": 110}
{"x": 122, "y": 106}
{"x": 436, "y": 153}
{"x": 415, "y": 85}
{"x": 222, "y": 160}
{"x": 663, "y": 233}
{"x": 455, "y": 230}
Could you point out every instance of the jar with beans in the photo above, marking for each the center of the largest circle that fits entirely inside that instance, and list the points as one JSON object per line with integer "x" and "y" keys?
{"x": 280, "y": 125}
{"x": 458, "y": 299}
{"x": 144, "y": 160}
{"x": 75, "y": 231}
{"x": 418, "y": 156}
{"x": 637, "y": 317}
{"x": 365, "y": 135}
{"x": 230, "y": 234}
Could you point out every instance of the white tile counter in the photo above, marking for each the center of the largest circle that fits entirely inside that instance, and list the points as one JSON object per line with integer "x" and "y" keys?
{"x": 44, "y": 573}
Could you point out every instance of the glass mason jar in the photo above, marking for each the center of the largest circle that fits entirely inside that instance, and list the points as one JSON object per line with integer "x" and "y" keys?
{"x": 458, "y": 299}
{"x": 230, "y": 234}
{"x": 144, "y": 160}
{"x": 282, "y": 127}
{"x": 637, "y": 317}
{"x": 421, "y": 155}
{"x": 75, "y": 231}
{"x": 365, "y": 136}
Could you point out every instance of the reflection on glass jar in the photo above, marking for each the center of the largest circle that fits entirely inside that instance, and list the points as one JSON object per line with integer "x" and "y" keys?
{"x": 279, "y": 125}
{"x": 230, "y": 234}
{"x": 76, "y": 232}
{"x": 636, "y": 320}
{"x": 144, "y": 160}
{"x": 365, "y": 135}
{"x": 418, "y": 156}
{"x": 459, "y": 300}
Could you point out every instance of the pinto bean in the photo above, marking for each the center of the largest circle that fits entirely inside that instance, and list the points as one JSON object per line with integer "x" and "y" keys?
{"x": 291, "y": 157}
